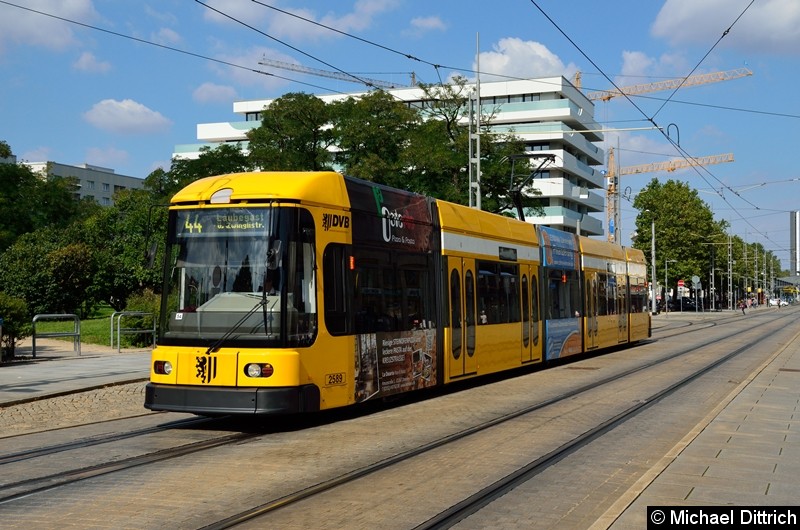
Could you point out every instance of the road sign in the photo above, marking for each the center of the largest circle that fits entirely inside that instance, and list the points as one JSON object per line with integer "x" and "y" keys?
{"x": 680, "y": 283}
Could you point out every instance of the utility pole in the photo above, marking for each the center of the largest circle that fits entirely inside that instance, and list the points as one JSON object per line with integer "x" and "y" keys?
{"x": 653, "y": 259}
{"x": 730, "y": 273}
{"x": 766, "y": 289}
{"x": 475, "y": 136}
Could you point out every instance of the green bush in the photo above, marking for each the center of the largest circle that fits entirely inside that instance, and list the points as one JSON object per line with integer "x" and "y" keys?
{"x": 16, "y": 324}
{"x": 146, "y": 302}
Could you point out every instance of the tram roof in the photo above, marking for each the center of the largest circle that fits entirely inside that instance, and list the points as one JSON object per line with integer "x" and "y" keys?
{"x": 596, "y": 247}
{"x": 459, "y": 218}
{"x": 320, "y": 187}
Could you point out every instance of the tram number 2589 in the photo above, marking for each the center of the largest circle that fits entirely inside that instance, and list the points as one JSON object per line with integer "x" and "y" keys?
{"x": 334, "y": 379}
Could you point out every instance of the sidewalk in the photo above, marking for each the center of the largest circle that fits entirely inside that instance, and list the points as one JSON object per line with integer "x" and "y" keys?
{"x": 58, "y": 369}
{"x": 744, "y": 453}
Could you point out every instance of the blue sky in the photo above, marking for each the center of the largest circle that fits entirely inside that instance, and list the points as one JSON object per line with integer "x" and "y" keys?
{"x": 72, "y": 93}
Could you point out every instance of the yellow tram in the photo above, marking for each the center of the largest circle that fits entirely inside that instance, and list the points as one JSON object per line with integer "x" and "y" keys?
{"x": 288, "y": 292}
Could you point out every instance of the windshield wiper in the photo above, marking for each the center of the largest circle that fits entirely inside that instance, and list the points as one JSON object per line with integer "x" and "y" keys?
{"x": 217, "y": 343}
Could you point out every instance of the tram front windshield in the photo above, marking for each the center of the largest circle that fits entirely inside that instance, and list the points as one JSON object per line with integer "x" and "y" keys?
{"x": 243, "y": 276}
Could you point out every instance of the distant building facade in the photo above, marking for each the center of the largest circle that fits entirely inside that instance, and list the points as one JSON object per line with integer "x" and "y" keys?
{"x": 94, "y": 182}
{"x": 550, "y": 115}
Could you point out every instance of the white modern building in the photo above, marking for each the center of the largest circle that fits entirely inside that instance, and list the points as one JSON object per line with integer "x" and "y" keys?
{"x": 550, "y": 115}
{"x": 94, "y": 182}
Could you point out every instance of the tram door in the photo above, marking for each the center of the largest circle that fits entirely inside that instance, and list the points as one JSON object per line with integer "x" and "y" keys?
{"x": 592, "y": 303}
{"x": 622, "y": 309}
{"x": 531, "y": 350}
{"x": 462, "y": 359}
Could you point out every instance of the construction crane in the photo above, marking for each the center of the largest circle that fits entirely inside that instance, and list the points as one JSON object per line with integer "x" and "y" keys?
{"x": 670, "y": 84}
{"x": 613, "y": 174}
{"x": 333, "y": 75}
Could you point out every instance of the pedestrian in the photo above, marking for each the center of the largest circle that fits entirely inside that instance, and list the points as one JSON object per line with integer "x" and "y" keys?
{"x": 742, "y": 305}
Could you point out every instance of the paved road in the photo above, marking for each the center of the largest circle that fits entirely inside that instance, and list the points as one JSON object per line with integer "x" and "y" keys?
{"x": 743, "y": 453}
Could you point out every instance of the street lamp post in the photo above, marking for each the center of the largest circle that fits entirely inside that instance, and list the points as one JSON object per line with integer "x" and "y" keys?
{"x": 653, "y": 258}
{"x": 666, "y": 282}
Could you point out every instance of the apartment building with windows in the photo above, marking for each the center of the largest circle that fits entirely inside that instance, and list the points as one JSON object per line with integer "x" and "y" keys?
{"x": 550, "y": 115}
{"x": 94, "y": 182}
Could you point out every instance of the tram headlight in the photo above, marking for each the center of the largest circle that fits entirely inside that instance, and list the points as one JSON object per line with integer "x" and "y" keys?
{"x": 258, "y": 370}
{"x": 162, "y": 367}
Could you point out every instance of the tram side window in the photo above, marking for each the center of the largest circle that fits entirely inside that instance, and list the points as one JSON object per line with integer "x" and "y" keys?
{"x": 510, "y": 278}
{"x": 498, "y": 293}
{"x": 606, "y": 294}
{"x": 611, "y": 294}
{"x": 638, "y": 295}
{"x": 563, "y": 296}
{"x": 602, "y": 295}
{"x": 335, "y": 280}
{"x": 622, "y": 294}
{"x": 389, "y": 292}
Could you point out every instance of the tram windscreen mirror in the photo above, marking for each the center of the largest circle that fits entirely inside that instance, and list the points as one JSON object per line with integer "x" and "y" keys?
{"x": 274, "y": 255}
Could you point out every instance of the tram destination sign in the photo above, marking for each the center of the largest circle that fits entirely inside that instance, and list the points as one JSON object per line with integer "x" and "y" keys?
{"x": 199, "y": 223}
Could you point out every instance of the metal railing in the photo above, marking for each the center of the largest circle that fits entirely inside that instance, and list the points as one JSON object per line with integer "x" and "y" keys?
{"x": 75, "y": 334}
{"x": 119, "y": 315}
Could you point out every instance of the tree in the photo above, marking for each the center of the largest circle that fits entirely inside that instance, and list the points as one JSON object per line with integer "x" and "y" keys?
{"x": 371, "y": 133}
{"x": 294, "y": 135}
{"x": 29, "y": 201}
{"x": 16, "y": 324}
{"x": 17, "y": 202}
{"x": 122, "y": 238}
{"x": 684, "y": 228}
{"x": 25, "y": 270}
{"x": 5, "y": 149}
{"x": 438, "y": 152}
{"x": 71, "y": 268}
{"x": 219, "y": 160}
{"x": 378, "y": 138}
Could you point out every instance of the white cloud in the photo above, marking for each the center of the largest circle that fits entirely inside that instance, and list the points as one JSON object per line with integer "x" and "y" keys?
{"x": 638, "y": 67}
{"x": 18, "y": 26}
{"x": 126, "y": 116}
{"x": 771, "y": 26}
{"x": 428, "y": 23}
{"x": 213, "y": 93}
{"x": 40, "y": 154}
{"x": 162, "y": 17}
{"x": 158, "y": 164}
{"x": 420, "y": 26}
{"x": 364, "y": 12}
{"x": 243, "y": 10}
{"x": 635, "y": 63}
{"x": 251, "y": 58}
{"x": 110, "y": 157}
{"x": 87, "y": 62}
{"x": 165, "y": 36}
{"x": 523, "y": 59}
{"x": 283, "y": 26}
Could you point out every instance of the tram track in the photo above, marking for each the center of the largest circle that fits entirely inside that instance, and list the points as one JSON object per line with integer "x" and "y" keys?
{"x": 475, "y": 502}
{"x": 96, "y": 439}
{"x": 674, "y": 328}
{"x": 345, "y": 480}
{"x": 492, "y": 492}
{"x": 235, "y": 431}
{"x": 25, "y": 488}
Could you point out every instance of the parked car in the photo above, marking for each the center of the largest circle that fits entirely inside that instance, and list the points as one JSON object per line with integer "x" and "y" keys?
{"x": 777, "y": 302}
{"x": 682, "y": 304}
